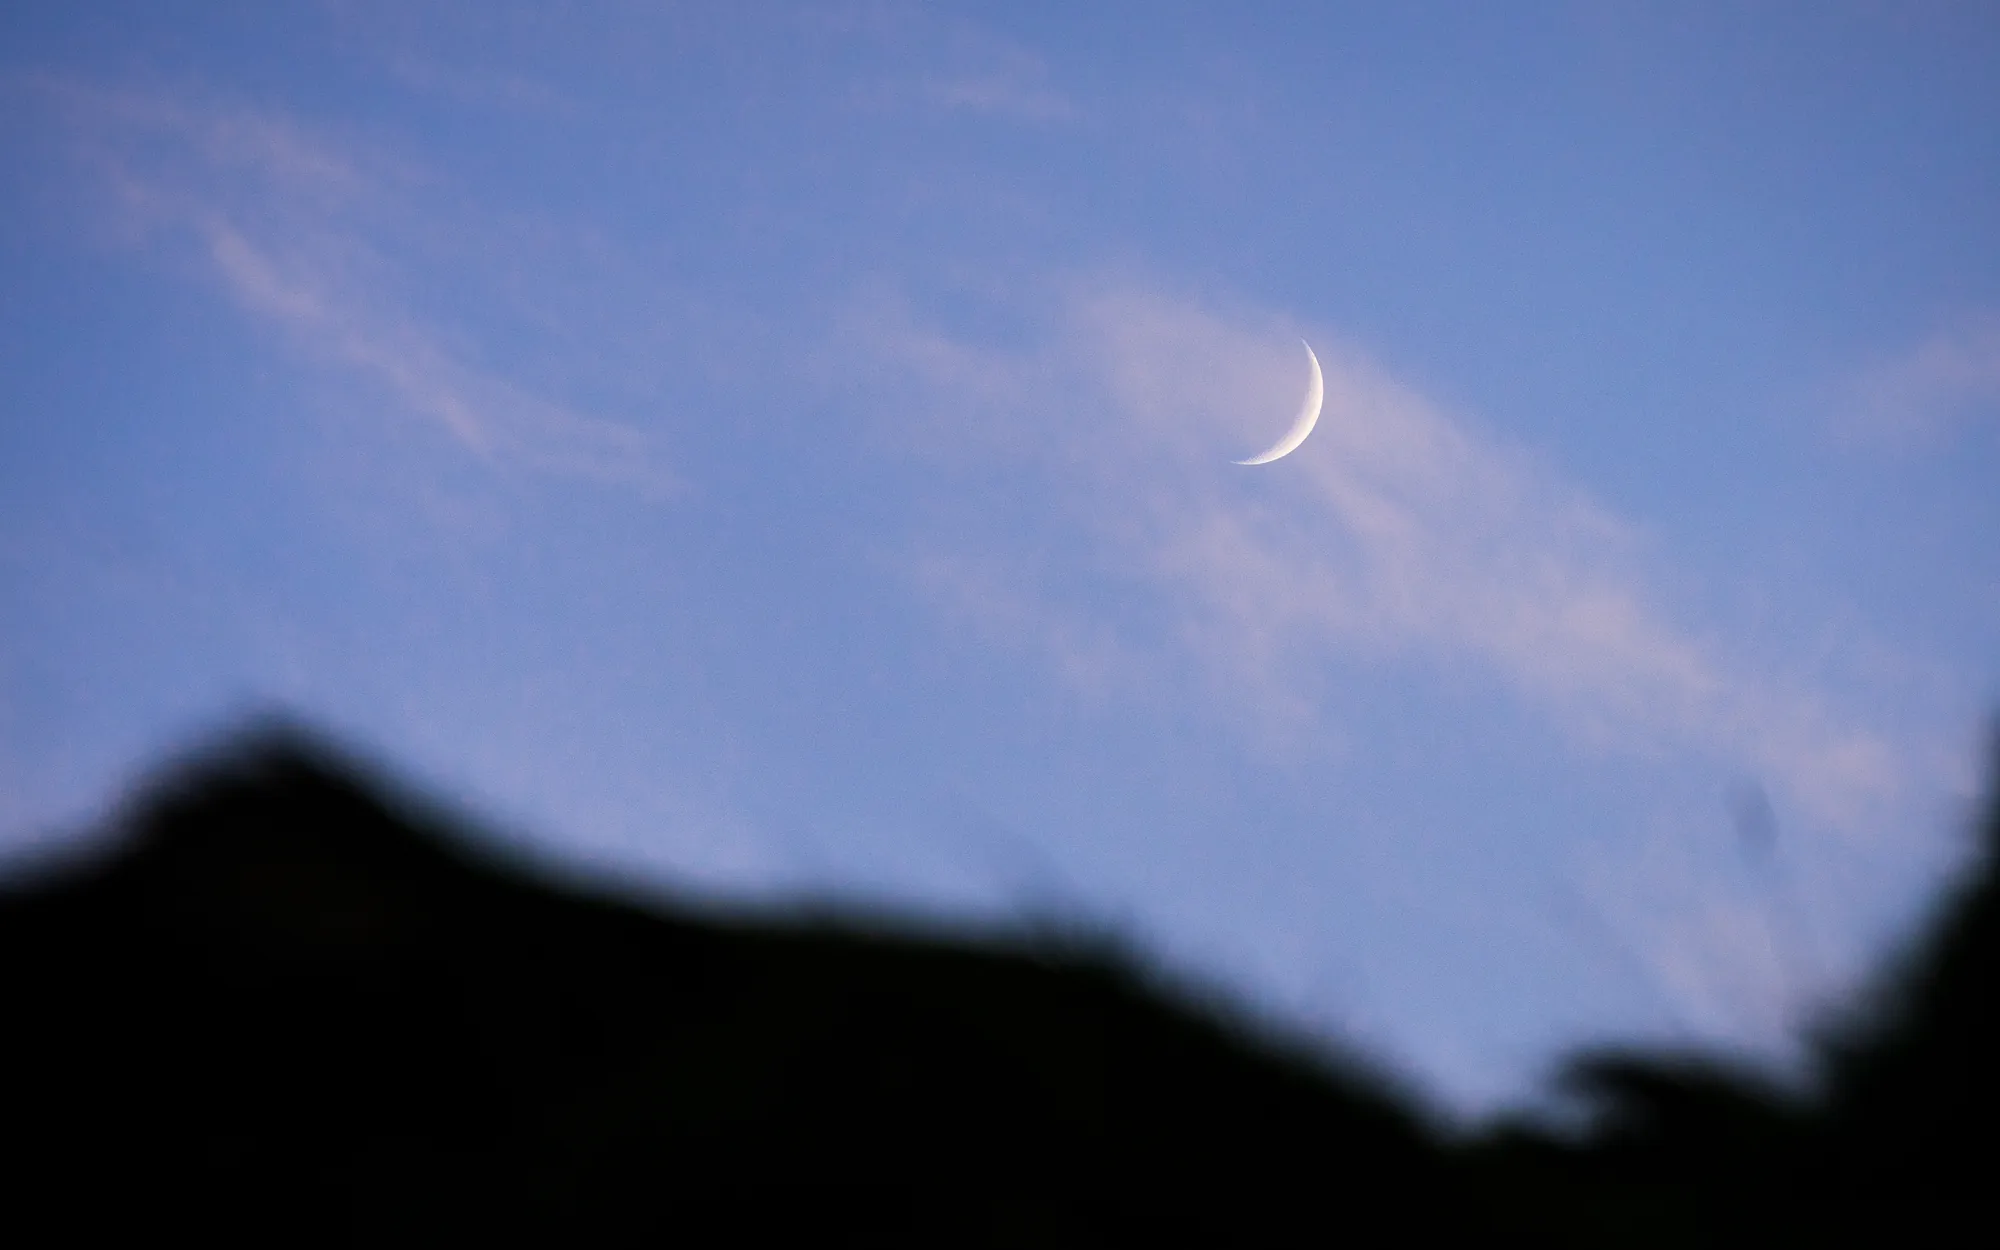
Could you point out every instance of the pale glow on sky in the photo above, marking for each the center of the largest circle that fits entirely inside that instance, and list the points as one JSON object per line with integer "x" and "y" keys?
{"x": 776, "y": 449}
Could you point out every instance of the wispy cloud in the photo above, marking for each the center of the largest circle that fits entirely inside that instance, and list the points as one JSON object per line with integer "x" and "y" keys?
{"x": 474, "y": 88}
{"x": 1931, "y": 391}
{"x": 1003, "y": 598}
{"x": 1017, "y": 96}
{"x": 311, "y": 236}
{"x": 1397, "y": 534}
{"x": 974, "y": 70}
{"x": 1730, "y": 954}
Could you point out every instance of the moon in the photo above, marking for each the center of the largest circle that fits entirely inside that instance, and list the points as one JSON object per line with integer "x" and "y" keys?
{"x": 1302, "y": 425}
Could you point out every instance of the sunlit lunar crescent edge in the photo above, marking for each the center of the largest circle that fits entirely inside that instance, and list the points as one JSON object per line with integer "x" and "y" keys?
{"x": 1307, "y": 418}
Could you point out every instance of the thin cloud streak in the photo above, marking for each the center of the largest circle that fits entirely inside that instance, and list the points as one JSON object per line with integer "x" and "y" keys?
{"x": 975, "y": 72}
{"x": 297, "y": 231}
{"x": 1931, "y": 391}
{"x": 1003, "y": 96}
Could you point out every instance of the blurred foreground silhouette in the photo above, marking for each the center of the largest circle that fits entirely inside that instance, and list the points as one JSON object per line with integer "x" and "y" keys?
{"x": 287, "y": 1004}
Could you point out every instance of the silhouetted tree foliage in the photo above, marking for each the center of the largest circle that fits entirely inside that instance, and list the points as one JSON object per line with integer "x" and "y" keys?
{"x": 288, "y": 1006}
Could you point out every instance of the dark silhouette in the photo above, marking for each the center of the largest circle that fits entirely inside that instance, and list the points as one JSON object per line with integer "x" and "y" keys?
{"x": 287, "y": 1004}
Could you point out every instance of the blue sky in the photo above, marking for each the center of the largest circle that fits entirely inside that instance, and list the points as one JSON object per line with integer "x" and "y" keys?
{"x": 785, "y": 450}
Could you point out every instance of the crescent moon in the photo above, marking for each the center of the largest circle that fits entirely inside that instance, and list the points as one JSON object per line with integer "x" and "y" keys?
{"x": 1302, "y": 425}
